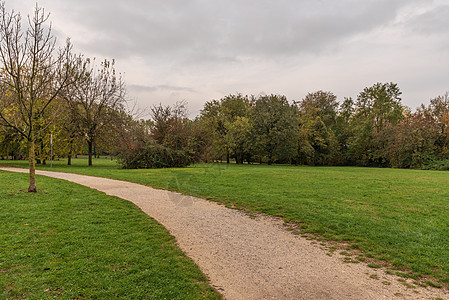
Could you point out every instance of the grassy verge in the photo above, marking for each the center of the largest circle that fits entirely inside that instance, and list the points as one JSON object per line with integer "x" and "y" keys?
{"x": 400, "y": 217}
{"x": 68, "y": 241}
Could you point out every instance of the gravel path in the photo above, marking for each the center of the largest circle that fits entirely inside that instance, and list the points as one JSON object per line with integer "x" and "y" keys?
{"x": 253, "y": 258}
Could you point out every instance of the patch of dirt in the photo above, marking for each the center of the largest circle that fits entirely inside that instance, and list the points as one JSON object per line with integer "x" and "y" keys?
{"x": 255, "y": 257}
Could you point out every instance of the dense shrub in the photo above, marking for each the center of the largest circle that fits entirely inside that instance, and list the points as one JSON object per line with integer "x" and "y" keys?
{"x": 153, "y": 155}
{"x": 441, "y": 165}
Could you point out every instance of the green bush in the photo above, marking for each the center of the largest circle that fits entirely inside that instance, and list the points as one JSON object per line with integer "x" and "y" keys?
{"x": 153, "y": 156}
{"x": 440, "y": 165}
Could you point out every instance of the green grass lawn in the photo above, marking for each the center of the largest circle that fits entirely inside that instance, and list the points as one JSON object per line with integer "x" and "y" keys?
{"x": 68, "y": 241}
{"x": 397, "y": 216}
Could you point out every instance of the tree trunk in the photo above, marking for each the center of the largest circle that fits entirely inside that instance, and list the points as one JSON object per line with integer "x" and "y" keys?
{"x": 41, "y": 154}
{"x": 90, "y": 143}
{"x": 69, "y": 157}
{"x": 32, "y": 188}
{"x": 227, "y": 157}
{"x": 239, "y": 159}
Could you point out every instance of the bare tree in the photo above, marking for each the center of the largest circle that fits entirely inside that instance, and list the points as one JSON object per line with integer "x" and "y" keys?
{"x": 33, "y": 73}
{"x": 95, "y": 100}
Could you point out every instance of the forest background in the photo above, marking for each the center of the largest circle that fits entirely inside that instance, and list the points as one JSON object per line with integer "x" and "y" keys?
{"x": 375, "y": 129}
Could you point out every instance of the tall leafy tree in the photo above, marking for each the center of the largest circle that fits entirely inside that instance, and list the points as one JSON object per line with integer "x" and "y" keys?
{"x": 381, "y": 103}
{"x": 228, "y": 119}
{"x": 322, "y": 104}
{"x": 274, "y": 129}
{"x": 344, "y": 129}
{"x": 317, "y": 114}
{"x": 439, "y": 111}
{"x": 34, "y": 72}
{"x": 376, "y": 108}
{"x": 413, "y": 142}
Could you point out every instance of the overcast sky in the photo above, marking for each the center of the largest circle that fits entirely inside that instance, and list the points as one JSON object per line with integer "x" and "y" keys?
{"x": 172, "y": 50}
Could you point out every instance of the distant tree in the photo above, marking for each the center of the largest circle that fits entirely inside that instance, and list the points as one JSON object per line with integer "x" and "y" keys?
{"x": 376, "y": 108}
{"x": 321, "y": 104}
{"x": 238, "y": 138}
{"x": 344, "y": 129}
{"x": 439, "y": 111}
{"x": 10, "y": 143}
{"x": 229, "y": 120}
{"x": 33, "y": 75}
{"x": 412, "y": 142}
{"x": 274, "y": 129}
{"x": 317, "y": 114}
{"x": 381, "y": 103}
{"x": 169, "y": 125}
{"x": 71, "y": 133}
{"x": 168, "y": 139}
{"x": 133, "y": 135}
{"x": 212, "y": 119}
{"x": 438, "y": 108}
{"x": 95, "y": 100}
{"x": 317, "y": 143}
{"x": 49, "y": 128}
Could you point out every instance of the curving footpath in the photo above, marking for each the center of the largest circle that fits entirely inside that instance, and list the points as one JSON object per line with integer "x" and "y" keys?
{"x": 252, "y": 258}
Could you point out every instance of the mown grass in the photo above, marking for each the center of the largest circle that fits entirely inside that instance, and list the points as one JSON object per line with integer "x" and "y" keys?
{"x": 397, "y": 216}
{"x": 71, "y": 242}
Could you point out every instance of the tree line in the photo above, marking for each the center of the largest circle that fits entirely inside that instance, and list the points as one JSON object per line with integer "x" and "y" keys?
{"x": 47, "y": 92}
{"x": 374, "y": 129}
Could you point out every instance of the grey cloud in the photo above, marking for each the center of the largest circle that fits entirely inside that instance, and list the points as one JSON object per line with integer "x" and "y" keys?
{"x": 202, "y": 49}
{"x": 433, "y": 22}
{"x": 169, "y": 88}
{"x": 205, "y": 31}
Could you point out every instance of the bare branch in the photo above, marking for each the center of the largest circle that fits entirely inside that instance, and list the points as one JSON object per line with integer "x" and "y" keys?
{"x": 33, "y": 74}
